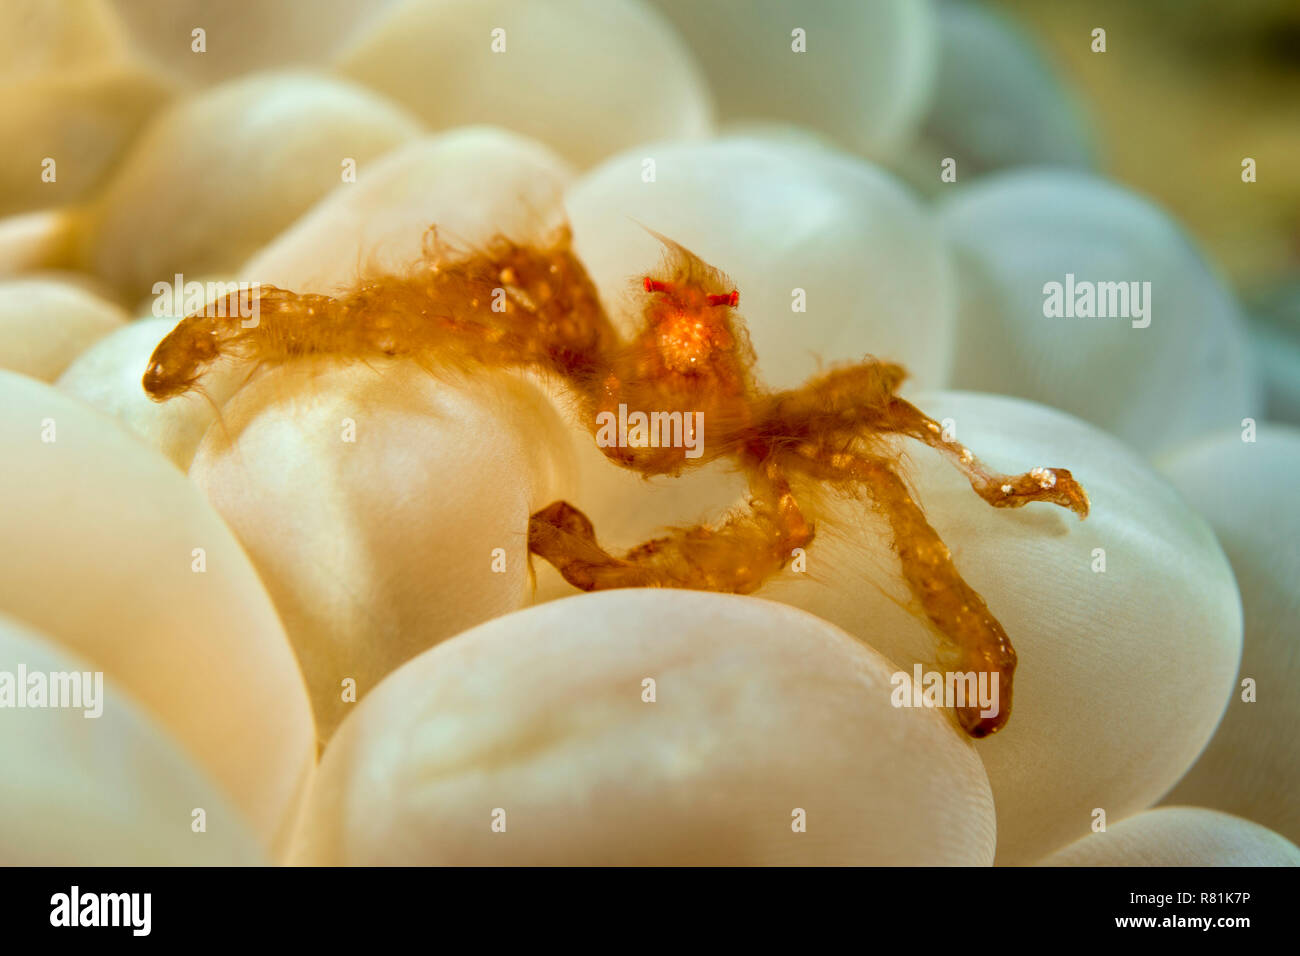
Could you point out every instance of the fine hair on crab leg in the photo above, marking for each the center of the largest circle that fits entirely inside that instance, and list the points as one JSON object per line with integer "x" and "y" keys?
{"x": 1054, "y": 485}
{"x": 951, "y": 605}
{"x": 218, "y": 331}
{"x": 507, "y": 305}
{"x": 853, "y": 400}
{"x": 736, "y": 556}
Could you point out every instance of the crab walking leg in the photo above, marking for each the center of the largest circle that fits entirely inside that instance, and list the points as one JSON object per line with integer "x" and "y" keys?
{"x": 1054, "y": 485}
{"x": 849, "y": 400}
{"x": 952, "y": 605}
{"x": 735, "y": 557}
{"x": 508, "y": 306}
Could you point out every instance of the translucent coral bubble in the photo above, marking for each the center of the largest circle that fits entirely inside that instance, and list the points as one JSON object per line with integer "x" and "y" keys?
{"x": 645, "y": 727}
{"x": 385, "y": 509}
{"x": 37, "y": 241}
{"x": 46, "y": 323}
{"x": 1002, "y": 103}
{"x": 71, "y": 100}
{"x": 1180, "y": 836}
{"x": 240, "y": 36}
{"x": 1127, "y": 624}
{"x": 118, "y": 558}
{"x": 1275, "y": 334}
{"x": 586, "y": 77}
{"x": 832, "y": 258}
{"x": 42, "y": 37}
{"x": 864, "y": 75}
{"x": 1246, "y": 490}
{"x": 218, "y": 175}
{"x": 471, "y": 183}
{"x": 107, "y": 376}
{"x": 100, "y": 784}
{"x": 1015, "y": 234}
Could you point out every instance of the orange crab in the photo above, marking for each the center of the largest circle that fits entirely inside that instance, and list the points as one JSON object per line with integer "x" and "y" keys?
{"x": 514, "y": 305}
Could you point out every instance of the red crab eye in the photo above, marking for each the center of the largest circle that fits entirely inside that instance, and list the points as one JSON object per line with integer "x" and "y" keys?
{"x": 732, "y": 299}
{"x": 654, "y": 285}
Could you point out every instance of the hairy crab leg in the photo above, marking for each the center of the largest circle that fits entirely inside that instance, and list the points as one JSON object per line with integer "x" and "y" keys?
{"x": 510, "y": 305}
{"x": 736, "y": 556}
{"x": 952, "y": 605}
{"x": 847, "y": 401}
{"x": 1054, "y": 485}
